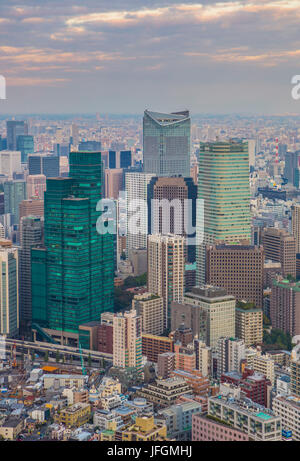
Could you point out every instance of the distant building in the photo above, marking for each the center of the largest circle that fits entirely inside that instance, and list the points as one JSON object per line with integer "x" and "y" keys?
{"x": 14, "y": 193}
{"x": 47, "y": 165}
{"x": 14, "y": 129}
{"x": 36, "y": 186}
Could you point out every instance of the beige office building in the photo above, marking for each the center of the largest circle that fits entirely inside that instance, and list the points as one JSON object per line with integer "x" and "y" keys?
{"x": 249, "y": 325}
{"x": 209, "y": 311}
{"x": 151, "y": 309}
{"x": 36, "y": 186}
{"x": 127, "y": 340}
{"x": 166, "y": 265}
{"x": 296, "y": 225}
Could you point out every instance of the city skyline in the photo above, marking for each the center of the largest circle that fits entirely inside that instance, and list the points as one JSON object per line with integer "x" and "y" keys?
{"x": 229, "y": 57}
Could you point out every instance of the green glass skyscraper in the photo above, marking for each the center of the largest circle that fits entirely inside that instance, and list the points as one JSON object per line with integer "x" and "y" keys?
{"x": 72, "y": 277}
{"x": 223, "y": 214}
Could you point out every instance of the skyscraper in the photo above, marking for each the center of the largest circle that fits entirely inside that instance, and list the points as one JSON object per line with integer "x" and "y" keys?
{"x": 285, "y": 306}
{"x": 224, "y": 193}
{"x": 238, "y": 269}
{"x": 31, "y": 234}
{"x": 15, "y": 129}
{"x": 166, "y": 270}
{"x": 179, "y": 219}
{"x": 9, "y": 290}
{"x": 280, "y": 246}
{"x": 166, "y": 143}
{"x": 296, "y": 225}
{"x": 136, "y": 203}
{"x": 74, "y": 272}
{"x": 44, "y": 164}
{"x": 25, "y": 144}
{"x": 36, "y": 186}
{"x": 14, "y": 193}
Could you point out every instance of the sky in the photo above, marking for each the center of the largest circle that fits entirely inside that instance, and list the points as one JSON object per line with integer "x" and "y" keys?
{"x": 122, "y": 56}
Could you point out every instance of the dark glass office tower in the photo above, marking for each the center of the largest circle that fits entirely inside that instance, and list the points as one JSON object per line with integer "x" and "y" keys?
{"x": 31, "y": 234}
{"x": 112, "y": 162}
{"x": 14, "y": 129}
{"x": 44, "y": 164}
{"x": 166, "y": 143}
{"x": 79, "y": 262}
{"x": 125, "y": 158}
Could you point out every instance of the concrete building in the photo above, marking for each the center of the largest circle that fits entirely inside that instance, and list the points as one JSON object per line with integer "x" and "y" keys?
{"x": 172, "y": 208}
{"x": 208, "y": 430}
{"x": 203, "y": 358}
{"x": 153, "y": 345}
{"x": 208, "y": 311}
{"x": 178, "y": 419}
{"x": 127, "y": 340}
{"x": 151, "y": 309}
{"x": 36, "y": 186}
{"x": 31, "y": 207}
{"x": 164, "y": 392}
{"x": 249, "y": 324}
{"x": 259, "y": 423}
{"x": 238, "y": 269}
{"x": 74, "y": 416}
{"x": 138, "y": 259}
{"x": 165, "y": 365}
{"x": 166, "y": 270}
{"x": 230, "y": 353}
{"x": 10, "y": 163}
{"x": 113, "y": 182}
{"x": 288, "y": 409}
{"x": 285, "y": 306}
{"x": 262, "y": 364}
{"x": 280, "y": 246}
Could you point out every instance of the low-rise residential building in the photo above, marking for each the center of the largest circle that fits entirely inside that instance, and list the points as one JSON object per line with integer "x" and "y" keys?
{"x": 208, "y": 430}
{"x": 260, "y": 423}
{"x": 178, "y": 419}
{"x": 164, "y": 392}
{"x": 74, "y": 416}
{"x": 288, "y": 409}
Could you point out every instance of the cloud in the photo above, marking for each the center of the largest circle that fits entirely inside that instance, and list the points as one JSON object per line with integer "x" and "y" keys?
{"x": 29, "y": 81}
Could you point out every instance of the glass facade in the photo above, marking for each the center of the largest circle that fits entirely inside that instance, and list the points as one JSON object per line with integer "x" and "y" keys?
{"x": 223, "y": 185}
{"x": 79, "y": 262}
{"x": 166, "y": 143}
